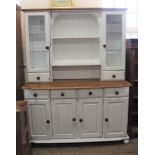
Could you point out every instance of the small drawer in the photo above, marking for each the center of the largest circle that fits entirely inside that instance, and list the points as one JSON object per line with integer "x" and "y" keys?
{"x": 36, "y": 94}
{"x": 113, "y": 75}
{"x": 116, "y": 92}
{"x": 38, "y": 77}
{"x": 86, "y": 93}
{"x": 63, "y": 94}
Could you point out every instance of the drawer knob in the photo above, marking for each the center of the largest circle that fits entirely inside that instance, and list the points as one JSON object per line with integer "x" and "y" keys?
{"x": 106, "y": 119}
{"x": 62, "y": 94}
{"x": 73, "y": 119}
{"x": 90, "y": 93}
{"x": 38, "y": 78}
{"x": 35, "y": 94}
{"x": 81, "y": 120}
{"x": 47, "y": 47}
{"x": 104, "y": 46}
{"x": 117, "y": 92}
{"x": 114, "y": 76}
{"x": 48, "y": 121}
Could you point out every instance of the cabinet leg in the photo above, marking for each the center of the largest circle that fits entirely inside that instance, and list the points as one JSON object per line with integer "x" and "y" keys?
{"x": 126, "y": 141}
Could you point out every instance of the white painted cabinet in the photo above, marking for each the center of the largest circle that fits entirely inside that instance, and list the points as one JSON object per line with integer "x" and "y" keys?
{"x": 37, "y": 42}
{"x": 115, "y": 117}
{"x": 64, "y": 118}
{"x": 39, "y": 119}
{"x": 90, "y": 117}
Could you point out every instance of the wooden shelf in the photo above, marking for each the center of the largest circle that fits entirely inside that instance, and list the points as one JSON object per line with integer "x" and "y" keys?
{"x": 76, "y": 84}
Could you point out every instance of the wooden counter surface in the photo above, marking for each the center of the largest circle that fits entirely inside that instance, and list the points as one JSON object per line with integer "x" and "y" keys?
{"x": 20, "y": 105}
{"x": 76, "y": 84}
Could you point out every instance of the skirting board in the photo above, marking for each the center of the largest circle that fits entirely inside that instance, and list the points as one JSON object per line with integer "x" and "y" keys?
{"x": 79, "y": 140}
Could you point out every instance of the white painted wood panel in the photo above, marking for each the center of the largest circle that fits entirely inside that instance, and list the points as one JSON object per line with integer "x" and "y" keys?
{"x": 116, "y": 92}
{"x": 38, "y": 114}
{"x": 36, "y": 94}
{"x": 90, "y": 111}
{"x": 38, "y": 77}
{"x": 86, "y": 93}
{"x": 115, "y": 117}
{"x": 63, "y": 94}
{"x": 63, "y": 111}
{"x": 112, "y": 75}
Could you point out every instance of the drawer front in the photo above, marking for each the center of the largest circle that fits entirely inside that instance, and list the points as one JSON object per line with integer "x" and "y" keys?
{"x": 63, "y": 94}
{"x": 113, "y": 75}
{"x": 116, "y": 92}
{"x": 36, "y": 94}
{"x": 86, "y": 93}
{"x": 38, "y": 77}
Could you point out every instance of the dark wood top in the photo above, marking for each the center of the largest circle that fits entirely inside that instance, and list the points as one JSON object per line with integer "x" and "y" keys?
{"x": 68, "y": 9}
{"x": 20, "y": 105}
{"x": 76, "y": 84}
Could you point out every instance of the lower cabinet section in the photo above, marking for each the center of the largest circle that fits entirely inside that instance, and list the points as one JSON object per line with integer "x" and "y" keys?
{"x": 115, "y": 117}
{"x": 78, "y": 119}
{"x": 39, "y": 119}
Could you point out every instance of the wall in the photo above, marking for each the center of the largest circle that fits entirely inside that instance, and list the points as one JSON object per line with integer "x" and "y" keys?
{"x": 19, "y": 56}
{"x": 45, "y": 3}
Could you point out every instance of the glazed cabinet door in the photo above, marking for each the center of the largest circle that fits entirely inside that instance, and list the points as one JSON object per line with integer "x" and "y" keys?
{"x": 115, "y": 117}
{"x": 90, "y": 117}
{"x": 64, "y": 118}
{"x": 113, "y": 40}
{"x": 37, "y": 31}
{"x": 39, "y": 119}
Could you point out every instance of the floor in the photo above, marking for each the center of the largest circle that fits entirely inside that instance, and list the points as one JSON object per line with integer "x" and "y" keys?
{"x": 106, "y": 148}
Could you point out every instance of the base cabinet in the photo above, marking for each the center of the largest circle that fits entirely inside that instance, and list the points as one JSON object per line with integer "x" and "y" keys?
{"x": 115, "y": 117}
{"x": 83, "y": 115}
{"x": 39, "y": 119}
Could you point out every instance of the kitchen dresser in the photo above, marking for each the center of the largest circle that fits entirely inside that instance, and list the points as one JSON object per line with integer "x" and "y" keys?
{"x": 75, "y": 75}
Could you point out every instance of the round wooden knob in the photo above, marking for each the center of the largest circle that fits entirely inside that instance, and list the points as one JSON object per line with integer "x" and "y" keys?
{"x": 62, "y": 94}
{"x": 35, "y": 94}
{"x": 38, "y": 78}
{"x": 113, "y": 75}
{"x": 73, "y": 119}
{"x": 80, "y": 120}
{"x": 90, "y": 93}
{"x": 48, "y": 121}
{"x": 104, "y": 46}
{"x": 47, "y": 47}
{"x": 117, "y": 92}
{"x": 106, "y": 119}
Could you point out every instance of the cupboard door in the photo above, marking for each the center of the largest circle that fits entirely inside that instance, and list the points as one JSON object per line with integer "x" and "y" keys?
{"x": 113, "y": 37}
{"x": 90, "y": 117}
{"x": 39, "y": 119}
{"x": 64, "y": 118}
{"x": 37, "y": 41}
{"x": 115, "y": 117}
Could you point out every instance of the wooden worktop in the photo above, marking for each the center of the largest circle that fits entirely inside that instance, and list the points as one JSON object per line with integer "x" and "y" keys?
{"x": 20, "y": 105}
{"x": 76, "y": 84}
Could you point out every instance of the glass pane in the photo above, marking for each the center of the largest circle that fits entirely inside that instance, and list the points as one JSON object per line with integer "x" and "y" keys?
{"x": 39, "y": 59}
{"x": 113, "y": 40}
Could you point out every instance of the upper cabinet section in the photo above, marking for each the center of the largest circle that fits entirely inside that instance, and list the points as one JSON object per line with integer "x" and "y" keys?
{"x": 37, "y": 41}
{"x": 113, "y": 40}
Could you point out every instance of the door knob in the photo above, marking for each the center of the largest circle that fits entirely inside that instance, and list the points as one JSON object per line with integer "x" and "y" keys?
{"x": 47, "y": 47}
{"x": 90, "y": 93}
{"x": 62, "y": 94}
{"x": 35, "y": 94}
{"x": 73, "y": 119}
{"x": 106, "y": 119}
{"x": 104, "y": 46}
{"x": 38, "y": 78}
{"x": 117, "y": 92}
{"x": 48, "y": 121}
{"x": 80, "y": 120}
{"x": 113, "y": 75}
